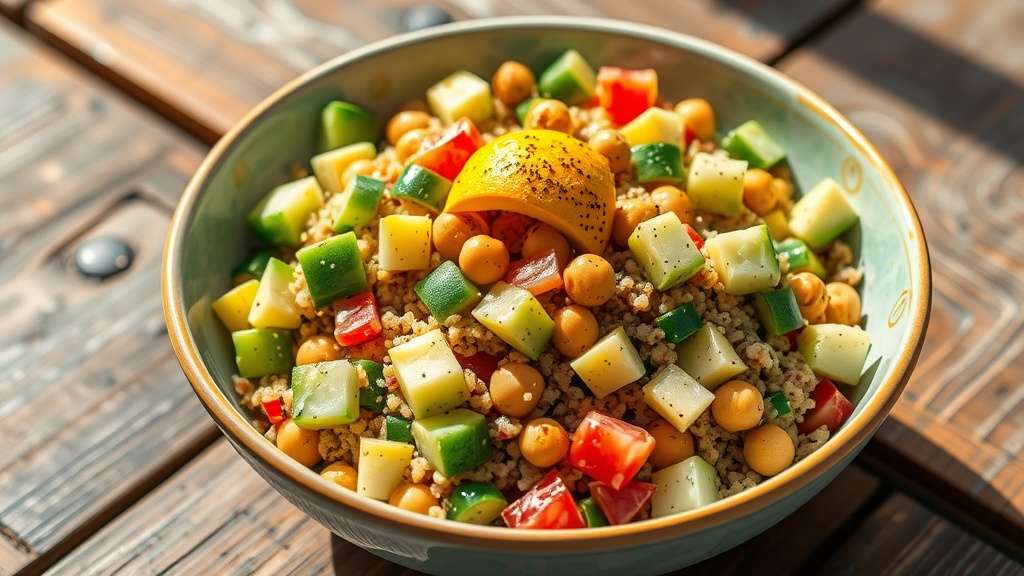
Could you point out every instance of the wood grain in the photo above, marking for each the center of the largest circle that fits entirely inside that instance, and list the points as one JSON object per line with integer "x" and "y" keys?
{"x": 195, "y": 61}
{"x": 948, "y": 113}
{"x": 94, "y": 408}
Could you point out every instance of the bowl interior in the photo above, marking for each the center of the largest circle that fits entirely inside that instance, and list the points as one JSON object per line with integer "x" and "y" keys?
{"x": 214, "y": 236}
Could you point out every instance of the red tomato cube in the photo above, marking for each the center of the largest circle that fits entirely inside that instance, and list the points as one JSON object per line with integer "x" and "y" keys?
{"x": 482, "y": 364}
{"x": 357, "y": 320}
{"x": 538, "y": 275}
{"x": 620, "y": 506}
{"x": 626, "y": 93}
{"x": 695, "y": 236}
{"x": 449, "y": 154}
{"x": 831, "y": 408}
{"x": 609, "y": 450}
{"x": 274, "y": 411}
{"x": 548, "y": 505}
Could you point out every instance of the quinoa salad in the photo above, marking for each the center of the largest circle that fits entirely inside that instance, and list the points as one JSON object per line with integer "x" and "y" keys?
{"x": 551, "y": 301}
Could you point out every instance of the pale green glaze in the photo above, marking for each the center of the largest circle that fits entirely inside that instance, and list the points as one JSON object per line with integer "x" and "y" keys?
{"x": 212, "y": 237}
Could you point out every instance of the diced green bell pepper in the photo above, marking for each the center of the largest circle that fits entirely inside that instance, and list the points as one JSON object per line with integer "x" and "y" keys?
{"x": 453, "y": 442}
{"x": 592, "y": 515}
{"x": 333, "y": 268}
{"x": 373, "y": 396}
{"x": 325, "y": 394}
{"x": 569, "y": 79}
{"x": 657, "y": 162}
{"x": 778, "y": 310}
{"x": 778, "y": 403}
{"x": 750, "y": 142}
{"x": 678, "y": 324}
{"x": 358, "y": 203}
{"x": 445, "y": 291}
{"x": 253, "y": 266}
{"x": 397, "y": 429}
{"x": 422, "y": 186}
{"x": 800, "y": 257}
{"x": 476, "y": 503}
{"x": 280, "y": 217}
{"x": 344, "y": 123}
{"x": 262, "y": 351}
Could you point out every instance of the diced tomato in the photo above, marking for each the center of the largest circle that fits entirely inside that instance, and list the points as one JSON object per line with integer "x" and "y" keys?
{"x": 626, "y": 93}
{"x": 357, "y": 320}
{"x": 698, "y": 240}
{"x": 482, "y": 364}
{"x": 620, "y": 506}
{"x": 538, "y": 275}
{"x": 548, "y": 505}
{"x": 449, "y": 154}
{"x": 511, "y": 228}
{"x": 609, "y": 450}
{"x": 274, "y": 410}
{"x": 831, "y": 408}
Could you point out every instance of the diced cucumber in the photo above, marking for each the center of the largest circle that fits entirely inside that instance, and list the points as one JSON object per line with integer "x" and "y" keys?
{"x": 666, "y": 252}
{"x": 359, "y": 203}
{"x": 274, "y": 304}
{"x": 744, "y": 259}
{"x": 422, "y": 186}
{"x": 328, "y": 167}
{"x": 253, "y": 266}
{"x": 280, "y": 217}
{"x": 750, "y": 142}
{"x": 822, "y": 214}
{"x": 430, "y": 376}
{"x": 611, "y": 363}
{"x": 800, "y": 257}
{"x": 778, "y": 310}
{"x": 777, "y": 404}
{"x": 463, "y": 94}
{"x": 522, "y": 108}
{"x": 374, "y": 395}
{"x": 654, "y": 125}
{"x": 381, "y": 466}
{"x": 445, "y": 291}
{"x": 397, "y": 429}
{"x": 453, "y": 442}
{"x": 516, "y": 317}
{"x": 835, "y": 351}
{"x": 344, "y": 123}
{"x": 689, "y": 484}
{"x": 677, "y": 397}
{"x": 592, "y": 515}
{"x": 262, "y": 351}
{"x": 404, "y": 242}
{"x": 569, "y": 79}
{"x": 333, "y": 268}
{"x": 657, "y": 162}
{"x": 476, "y": 503}
{"x": 680, "y": 323}
{"x": 778, "y": 225}
{"x": 233, "y": 307}
{"x": 709, "y": 357}
{"x": 325, "y": 394}
{"x": 715, "y": 184}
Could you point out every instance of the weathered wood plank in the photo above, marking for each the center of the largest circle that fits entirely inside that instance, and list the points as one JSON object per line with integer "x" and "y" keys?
{"x": 903, "y": 537}
{"x": 938, "y": 86}
{"x": 217, "y": 516}
{"x": 90, "y": 389}
{"x": 195, "y": 60}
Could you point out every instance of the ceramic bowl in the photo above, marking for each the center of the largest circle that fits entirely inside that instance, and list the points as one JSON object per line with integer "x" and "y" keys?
{"x": 208, "y": 236}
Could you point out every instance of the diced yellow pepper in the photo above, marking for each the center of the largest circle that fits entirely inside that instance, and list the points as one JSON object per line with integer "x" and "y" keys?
{"x": 233, "y": 307}
{"x": 463, "y": 94}
{"x": 330, "y": 166}
{"x": 404, "y": 242}
{"x": 381, "y": 465}
{"x": 654, "y": 125}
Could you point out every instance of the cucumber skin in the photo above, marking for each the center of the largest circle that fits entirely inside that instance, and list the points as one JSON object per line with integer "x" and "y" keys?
{"x": 253, "y": 341}
{"x": 458, "y": 446}
{"x": 422, "y": 186}
{"x": 750, "y": 142}
{"x": 362, "y": 204}
{"x": 679, "y": 323}
{"x": 778, "y": 310}
{"x": 373, "y": 396}
{"x": 397, "y": 429}
{"x": 254, "y": 265}
{"x": 445, "y": 291}
{"x": 343, "y": 123}
{"x": 333, "y": 269}
{"x": 468, "y": 498}
{"x": 561, "y": 81}
{"x": 592, "y": 515}
{"x": 657, "y": 162}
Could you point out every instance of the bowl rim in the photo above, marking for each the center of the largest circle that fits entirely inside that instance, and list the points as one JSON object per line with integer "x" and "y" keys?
{"x": 840, "y": 446}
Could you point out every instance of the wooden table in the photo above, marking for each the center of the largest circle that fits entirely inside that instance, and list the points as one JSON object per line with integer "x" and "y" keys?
{"x": 100, "y": 130}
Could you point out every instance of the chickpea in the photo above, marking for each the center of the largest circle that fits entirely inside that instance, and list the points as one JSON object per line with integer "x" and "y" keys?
{"x": 670, "y": 445}
{"x": 540, "y": 238}
{"x": 409, "y": 143}
{"x": 361, "y": 167}
{"x": 576, "y": 330}
{"x": 768, "y": 450}
{"x": 413, "y": 497}
{"x": 317, "y": 348}
{"x": 757, "y": 191}
{"x": 738, "y": 406}
{"x": 405, "y": 121}
{"x": 612, "y": 145}
{"x": 516, "y": 388}
{"x": 543, "y": 442}
{"x": 341, "y": 474}
{"x": 698, "y": 116}
{"x": 511, "y": 228}
{"x": 810, "y": 295}
{"x": 550, "y": 115}
{"x": 843, "y": 306}
{"x": 451, "y": 230}
{"x": 301, "y": 445}
{"x": 512, "y": 82}
{"x": 589, "y": 280}
{"x": 483, "y": 259}
{"x": 631, "y": 213}
{"x": 782, "y": 190}
{"x": 668, "y": 198}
